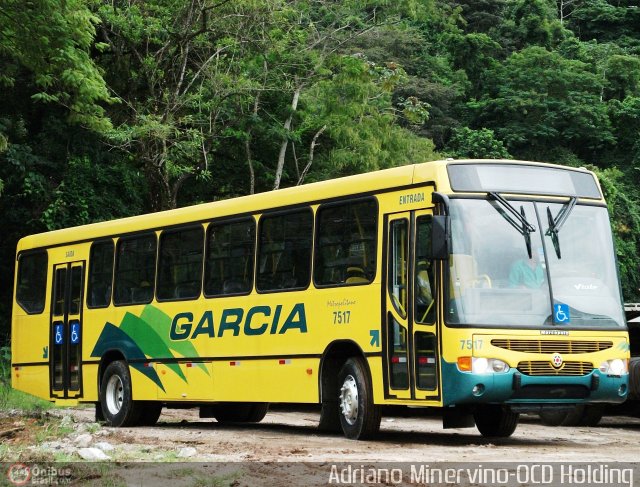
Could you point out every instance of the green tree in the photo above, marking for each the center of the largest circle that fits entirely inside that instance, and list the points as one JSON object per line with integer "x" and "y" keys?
{"x": 538, "y": 100}
{"x": 466, "y": 143}
{"x": 623, "y": 201}
{"x": 531, "y": 23}
{"x": 607, "y": 21}
{"x": 53, "y": 40}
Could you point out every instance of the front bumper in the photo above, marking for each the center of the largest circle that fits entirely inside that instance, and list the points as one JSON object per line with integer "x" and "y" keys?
{"x": 513, "y": 387}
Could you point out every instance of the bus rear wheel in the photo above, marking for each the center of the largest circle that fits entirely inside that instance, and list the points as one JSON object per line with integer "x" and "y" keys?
{"x": 494, "y": 421}
{"x": 116, "y": 398}
{"x": 359, "y": 416}
{"x": 241, "y": 412}
{"x": 149, "y": 413}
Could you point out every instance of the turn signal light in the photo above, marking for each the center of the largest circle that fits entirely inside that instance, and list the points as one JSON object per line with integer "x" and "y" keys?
{"x": 464, "y": 364}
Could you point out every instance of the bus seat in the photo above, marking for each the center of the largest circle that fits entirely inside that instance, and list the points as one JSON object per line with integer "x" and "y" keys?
{"x": 142, "y": 294}
{"x": 187, "y": 289}
{"x": 100, "y": 294}
{"x": 355, "y": 275}
{"x": 213, "y": 286}
{"x": 289, "y": 282}
{"x": 232, "y": 286}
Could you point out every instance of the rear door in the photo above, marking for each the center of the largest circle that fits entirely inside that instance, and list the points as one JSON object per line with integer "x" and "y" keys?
{"x": 65, "y": 338}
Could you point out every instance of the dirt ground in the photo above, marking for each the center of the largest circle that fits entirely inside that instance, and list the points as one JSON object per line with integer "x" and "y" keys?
{"x": 285, "y": 447}
{"x": 286, "y": 435}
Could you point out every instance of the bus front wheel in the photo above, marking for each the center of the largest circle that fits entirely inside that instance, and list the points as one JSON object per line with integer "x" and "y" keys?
{"x": 359, "y": 416}
{"x": 116, "y": 398}
{"x": 494, "y": 421}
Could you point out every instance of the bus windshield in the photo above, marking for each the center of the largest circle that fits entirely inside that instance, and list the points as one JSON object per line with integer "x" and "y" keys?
{"x": 528, "y": 270}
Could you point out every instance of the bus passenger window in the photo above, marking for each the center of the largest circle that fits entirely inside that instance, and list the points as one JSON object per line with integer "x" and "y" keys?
{"x": 135, "y": 270}
{"x": 426, "y": 361}
{"x": 230, "y": 255}
{"x": 100, "y": 274}
{"x": 180, "y": 264}
{"x": 398, "y": 355}
{"x": 59, "y": 291}
{"x": 346, "y": 243}
{"x": 32, "y": 282}
{"x": 398, "y": 265}
{"x": 424, "y": 283}
{"x": 284, "y": 256}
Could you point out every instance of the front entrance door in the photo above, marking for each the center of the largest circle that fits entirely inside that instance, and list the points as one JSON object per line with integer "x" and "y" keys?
{"x": 411, "y": 344}
{"x": 65, "y": 340}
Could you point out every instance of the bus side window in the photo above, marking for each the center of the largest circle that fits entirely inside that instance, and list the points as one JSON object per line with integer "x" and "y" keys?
{"x": 100, "y": 274}
{"x": 180, "y": 263}
{"x": 284, "y": 255}
{"x": 135, "y": 270}
{"x": 346, "y": 243}
{"x": 32, "y": 282}
{"x": 230, "y": 256}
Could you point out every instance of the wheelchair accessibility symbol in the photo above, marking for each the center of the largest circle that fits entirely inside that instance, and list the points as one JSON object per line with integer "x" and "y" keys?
{"x": 561, "y": 313}
{"x": 58, "y": 337}
{"x": 75, "y": 333}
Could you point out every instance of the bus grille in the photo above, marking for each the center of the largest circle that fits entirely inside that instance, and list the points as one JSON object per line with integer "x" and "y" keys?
{"x": 540, "y": 367}
{"x": 551, "y": 346}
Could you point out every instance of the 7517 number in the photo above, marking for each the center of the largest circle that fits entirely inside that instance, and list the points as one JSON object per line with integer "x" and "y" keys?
{"x": 341, "y": 317}
{"x": 470, "y": 344}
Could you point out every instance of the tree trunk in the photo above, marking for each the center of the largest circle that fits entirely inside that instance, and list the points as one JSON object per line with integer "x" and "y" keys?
{"x": 252, "y": 175}
{"x": 285, "y": 141}
{"x": 312, "y": 148}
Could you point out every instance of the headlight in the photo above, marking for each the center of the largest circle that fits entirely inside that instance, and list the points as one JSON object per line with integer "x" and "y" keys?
{"x": 616, "y": 366}
{"x": 481, "y": 365}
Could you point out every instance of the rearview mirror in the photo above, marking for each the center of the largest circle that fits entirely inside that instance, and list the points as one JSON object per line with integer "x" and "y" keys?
{"x": 440, "y": 237}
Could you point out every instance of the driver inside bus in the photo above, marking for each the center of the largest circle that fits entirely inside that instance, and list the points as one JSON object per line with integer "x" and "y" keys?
{"x": 527, "y": 273}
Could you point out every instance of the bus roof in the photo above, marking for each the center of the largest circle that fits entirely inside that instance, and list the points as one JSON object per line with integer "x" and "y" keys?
{"x": 398, "y": 177}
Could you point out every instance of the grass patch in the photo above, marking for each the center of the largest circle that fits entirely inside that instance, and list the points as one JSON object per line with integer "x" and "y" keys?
{"x": 52, "y": 429}
{"x": 12, "y": 399}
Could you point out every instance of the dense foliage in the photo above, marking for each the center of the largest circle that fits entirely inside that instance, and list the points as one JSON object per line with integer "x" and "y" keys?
{"x": 109, "y": 109}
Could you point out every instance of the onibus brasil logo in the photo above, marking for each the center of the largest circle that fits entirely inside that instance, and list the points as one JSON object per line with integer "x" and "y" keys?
{"x": 22, "y": 474}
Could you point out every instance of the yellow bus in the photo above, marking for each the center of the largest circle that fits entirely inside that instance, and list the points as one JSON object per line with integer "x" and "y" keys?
{"x": 484, "y": 288}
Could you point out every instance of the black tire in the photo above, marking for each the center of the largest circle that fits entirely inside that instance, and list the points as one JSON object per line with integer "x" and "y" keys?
{"x": 495, "y": 421}
{"x": 99, "y": 414}
{"x": 359, "y": 416}
{"x": 149, "y": 412}
{"x": 240, "y": 412}
{"x": 258, "y": 411}
{"x": 592, "y": 414}
{"x": 330, "y": 417}
{"x": 556, "y": 417}
{"x": 116, "y": 397}
{"x": 581, "y": 415}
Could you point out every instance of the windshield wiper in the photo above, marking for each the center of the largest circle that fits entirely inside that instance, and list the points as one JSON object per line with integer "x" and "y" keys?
{"x": 555, "y": 224}
{"x": 523, "y": 227}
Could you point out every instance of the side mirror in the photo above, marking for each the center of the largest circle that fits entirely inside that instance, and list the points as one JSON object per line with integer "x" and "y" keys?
{"x": 440, "y": 237}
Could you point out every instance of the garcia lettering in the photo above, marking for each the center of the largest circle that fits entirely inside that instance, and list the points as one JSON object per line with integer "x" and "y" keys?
{"x": 234, "y": 321}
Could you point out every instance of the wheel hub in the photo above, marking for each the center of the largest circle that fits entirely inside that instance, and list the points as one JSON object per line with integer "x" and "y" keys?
{"x": 114, "y": 395}
{"x": 349, "y": 399}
